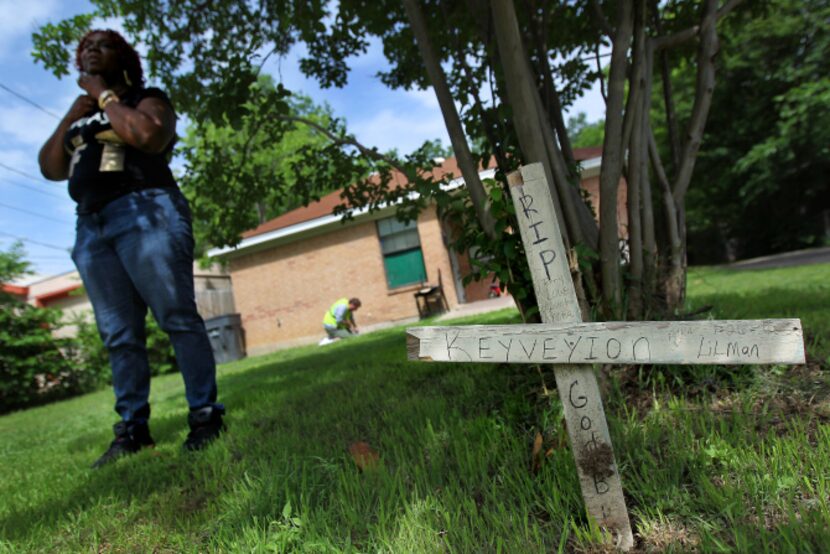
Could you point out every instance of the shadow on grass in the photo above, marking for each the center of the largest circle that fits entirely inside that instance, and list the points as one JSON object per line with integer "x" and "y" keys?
{"x": 308, "y": 400}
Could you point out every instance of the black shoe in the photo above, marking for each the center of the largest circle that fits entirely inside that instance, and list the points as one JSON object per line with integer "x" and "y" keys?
{"x": 130, "y": 437}
{"x": 205, "y": 425}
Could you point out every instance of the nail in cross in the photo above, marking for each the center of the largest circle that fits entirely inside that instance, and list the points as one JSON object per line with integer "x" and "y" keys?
{"x": 564, "y": 339}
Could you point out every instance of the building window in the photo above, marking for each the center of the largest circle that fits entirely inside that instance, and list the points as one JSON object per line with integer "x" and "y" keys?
{"x": 402, "y": 256}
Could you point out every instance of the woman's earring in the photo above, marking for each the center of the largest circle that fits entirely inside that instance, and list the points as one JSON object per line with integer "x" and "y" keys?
{"x": 127, "y": 79}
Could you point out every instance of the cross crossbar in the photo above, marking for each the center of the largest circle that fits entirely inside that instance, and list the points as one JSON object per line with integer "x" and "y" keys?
{"x": 636, "y": 342}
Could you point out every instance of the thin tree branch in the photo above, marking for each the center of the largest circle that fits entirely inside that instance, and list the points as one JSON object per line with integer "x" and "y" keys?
{"x": 728, "y": 7}
{"x": 668, "y": 95}
{"x": 553, "y": 104}
{"x": 349, "y": 140}
{"x": 670, "y": 41}
{"x": 662, "y": 179}
{"x": 679, "y": 37}
{"x": 704, "y": 88}
{"x": 602, "y": 89}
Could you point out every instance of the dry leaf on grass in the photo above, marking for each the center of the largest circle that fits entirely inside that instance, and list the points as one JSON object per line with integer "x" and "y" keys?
{"x": 364, "y": 457}
{"x": 536, "y": 454}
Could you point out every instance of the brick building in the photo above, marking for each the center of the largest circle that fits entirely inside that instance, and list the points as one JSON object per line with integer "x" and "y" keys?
{"x": 287, "y": 272}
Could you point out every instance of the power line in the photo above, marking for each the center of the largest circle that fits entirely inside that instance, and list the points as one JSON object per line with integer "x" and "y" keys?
{"x": 45, "y": 244}
{"x": 28, "y": 101}
{"x": 35, "y": 189}
{"x": 35, "y": 214}
{"x": 24, "y": 174}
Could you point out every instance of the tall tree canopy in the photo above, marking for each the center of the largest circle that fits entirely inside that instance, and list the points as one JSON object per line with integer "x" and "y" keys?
{"x": 237, "y": 178}
{"x": 584, "y": 134}
{"x": 503, "y": 72}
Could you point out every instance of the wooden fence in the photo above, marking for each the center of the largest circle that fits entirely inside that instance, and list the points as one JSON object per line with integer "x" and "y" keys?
{"x": 213, "y": 303}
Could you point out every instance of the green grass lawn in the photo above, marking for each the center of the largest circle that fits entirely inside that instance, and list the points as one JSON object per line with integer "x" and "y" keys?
{"x": 712, "y": 459}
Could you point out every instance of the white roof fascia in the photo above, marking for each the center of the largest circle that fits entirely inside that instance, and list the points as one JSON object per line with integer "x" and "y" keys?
{"x": 317, "y": 223}
{"x": 281, "y": 233}
{"x": 590, "y": 167}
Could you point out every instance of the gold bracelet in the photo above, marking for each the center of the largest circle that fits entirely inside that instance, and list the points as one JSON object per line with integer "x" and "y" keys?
{"x": 106, "y": 97}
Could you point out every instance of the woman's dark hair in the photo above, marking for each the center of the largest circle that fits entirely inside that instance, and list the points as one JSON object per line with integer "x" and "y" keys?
{"x": 127, "y": 56}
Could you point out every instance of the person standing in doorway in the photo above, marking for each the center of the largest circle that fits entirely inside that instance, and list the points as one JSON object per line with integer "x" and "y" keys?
{"x": 134, "y": 240}
{"x": 339, "y": 320}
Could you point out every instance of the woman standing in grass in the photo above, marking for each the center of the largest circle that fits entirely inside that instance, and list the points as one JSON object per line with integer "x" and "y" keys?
{"x": 134, "y": 242}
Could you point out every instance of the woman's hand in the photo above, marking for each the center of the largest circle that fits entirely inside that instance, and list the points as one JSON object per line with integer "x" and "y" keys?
{"x": 82, "y": 106}
{"x": 53, "y": 158}
{"x": 93, "y": 84}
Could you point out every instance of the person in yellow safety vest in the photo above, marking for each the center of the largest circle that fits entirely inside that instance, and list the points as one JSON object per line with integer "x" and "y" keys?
{"x": 339, "y": 319}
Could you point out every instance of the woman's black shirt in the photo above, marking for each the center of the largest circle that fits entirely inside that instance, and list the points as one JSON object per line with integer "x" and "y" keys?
{"x": 103, "y": 168}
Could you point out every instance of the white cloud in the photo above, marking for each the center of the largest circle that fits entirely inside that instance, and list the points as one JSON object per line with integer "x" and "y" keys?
{"x": 20, "y": 19}
{"x": 373, "y": 59}
{"x": 405, "y": 131}
{"x": 25, "y": 125}
{"x": 425, "y": 98}
{"x": 114, "y": 23}
{"x": 591, "y": 103}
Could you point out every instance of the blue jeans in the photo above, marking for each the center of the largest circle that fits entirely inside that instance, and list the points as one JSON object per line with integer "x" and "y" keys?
{"x": 134, "y": 253}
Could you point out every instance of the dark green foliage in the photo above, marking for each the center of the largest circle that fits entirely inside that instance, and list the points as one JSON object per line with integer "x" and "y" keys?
{"x": 67, "y": 32}
{"x": 761, "y": 178}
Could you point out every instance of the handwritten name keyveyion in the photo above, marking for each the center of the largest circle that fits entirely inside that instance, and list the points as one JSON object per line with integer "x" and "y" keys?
{"x": 643, "y": 342}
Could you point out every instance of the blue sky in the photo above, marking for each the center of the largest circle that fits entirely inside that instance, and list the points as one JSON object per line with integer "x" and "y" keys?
{"x": 42, "y": 214}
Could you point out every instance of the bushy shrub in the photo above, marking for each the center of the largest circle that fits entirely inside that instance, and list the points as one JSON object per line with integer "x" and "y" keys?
{"x": 33, "y": 369}
{"x": 91, "y": 360}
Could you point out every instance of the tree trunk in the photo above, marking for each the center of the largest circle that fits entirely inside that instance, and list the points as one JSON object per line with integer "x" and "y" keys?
{"x": 612, "y": 159}
{"x": 650, "y": 259}
{"x": 574, "y": 206}
{"x": 536, "y": 139}
{"x": 635, "y": 167}
{"x": 704, "y": 88}
{"x": 668, "y": 96}
{"x": 668, "y": 284}
{"x": 521, "y": 90}
{"x": 469, "y": 169}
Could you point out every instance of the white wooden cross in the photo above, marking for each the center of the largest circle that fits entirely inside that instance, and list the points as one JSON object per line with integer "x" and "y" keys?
{"x": 564, "y": 339}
